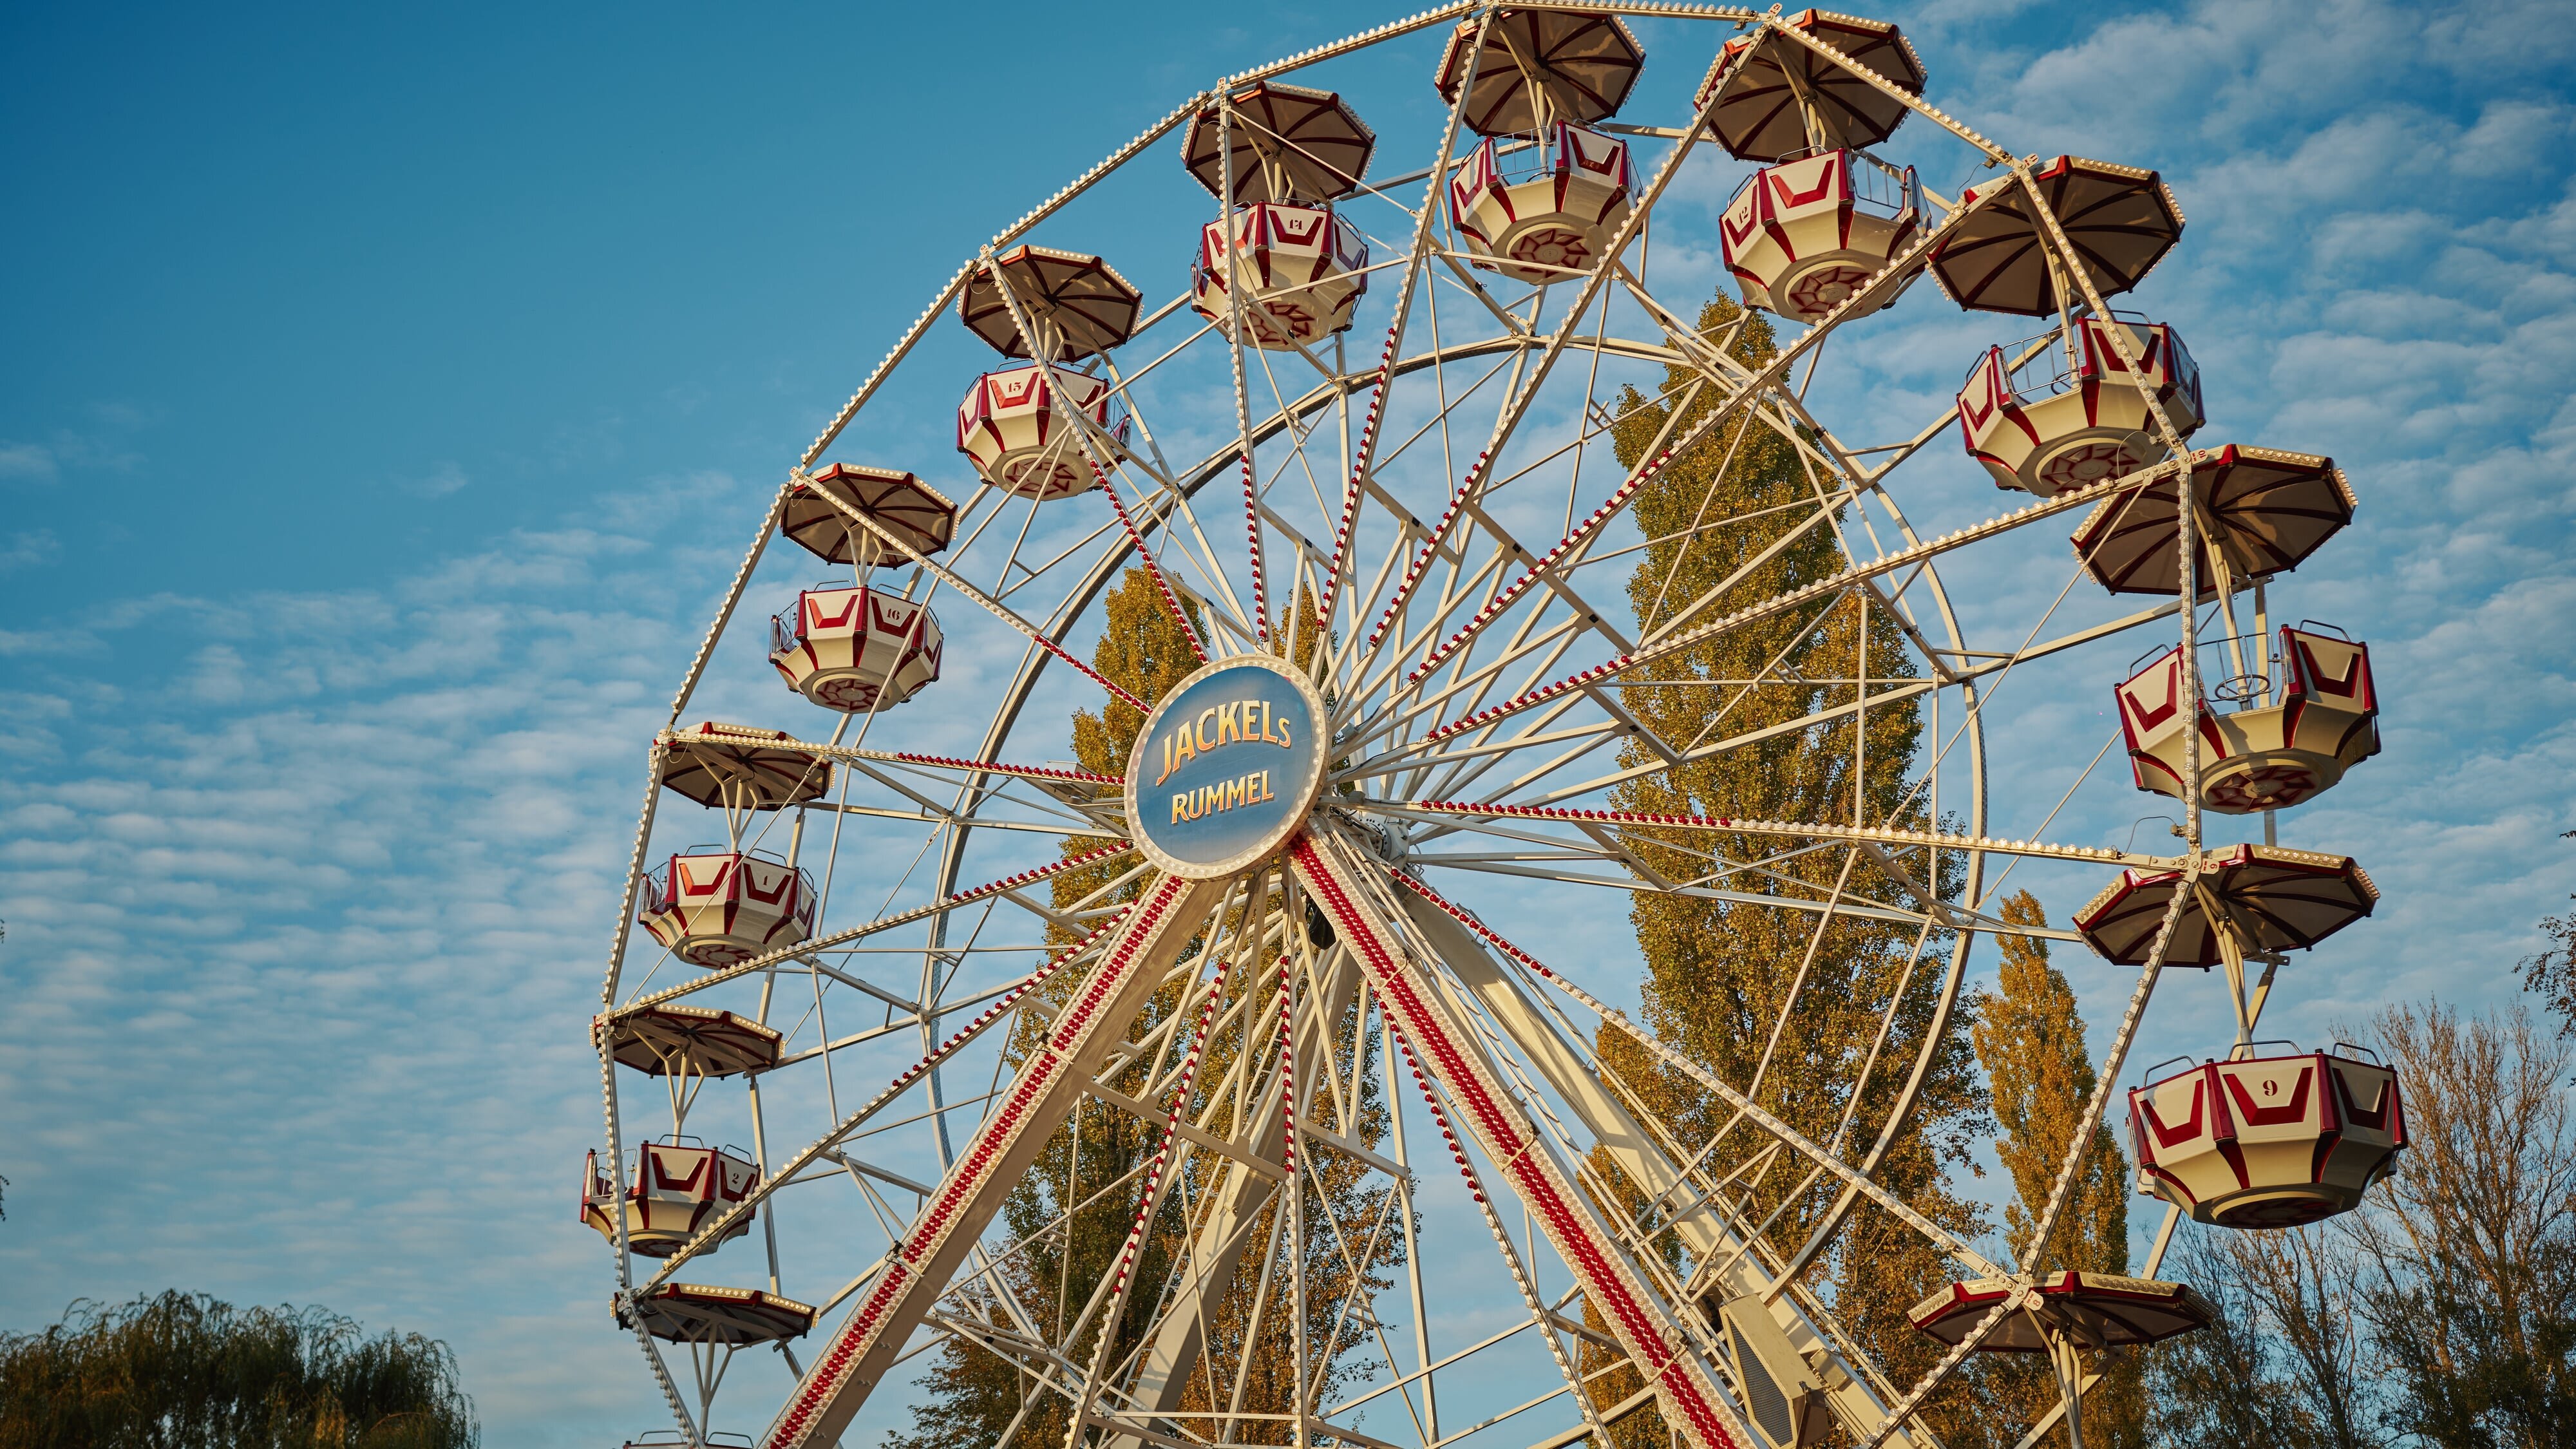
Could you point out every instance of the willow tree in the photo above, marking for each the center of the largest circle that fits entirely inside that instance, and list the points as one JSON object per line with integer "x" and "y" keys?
{"x": 2030, "y": 1039}
{"x": 1072, "y": 1211}
{"x": 1738, "y": 518}
{"x": 185, "y": 1369}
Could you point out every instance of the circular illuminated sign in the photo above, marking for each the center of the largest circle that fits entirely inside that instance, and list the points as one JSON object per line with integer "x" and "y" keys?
{"x": 1227, "y": 767}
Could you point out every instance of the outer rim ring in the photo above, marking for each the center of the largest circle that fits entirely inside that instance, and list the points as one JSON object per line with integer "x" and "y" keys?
{"x": 1302, "y": 793}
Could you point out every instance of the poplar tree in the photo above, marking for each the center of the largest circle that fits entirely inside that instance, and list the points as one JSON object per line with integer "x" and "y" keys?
{"x": 1735, "y": 519}
{"x": 2030, "y": 1039}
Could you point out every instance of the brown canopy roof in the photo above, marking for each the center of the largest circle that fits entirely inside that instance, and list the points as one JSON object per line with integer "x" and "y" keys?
{"x": 2097, "y": 1310}
{"x": 900, "y": 503}
{"x": 1290, "y": 144}
{"x": 1082, "y": 300}
{"x": 739, "y": 765}
{"x": 1580, "y": 65}
{"x": 1760, "y": 119}
{"x": 2268, "y": 510}
{"x": 690, "y": 1041}
{"x": 2121, "y": 221}
{"x": 2276, "y": 898}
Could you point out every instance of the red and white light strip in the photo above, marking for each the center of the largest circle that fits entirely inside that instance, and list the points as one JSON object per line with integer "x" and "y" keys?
{"x": 1507, "y": 1140}
{"x": 1575, "y": 538}
{"x": 1145, "y": 556}
{"x": 1821, "y": 589}
{"x": 1430, "y": 546}
{"x": 904, "y": 1273}
{"x": 1000, "y": 1007}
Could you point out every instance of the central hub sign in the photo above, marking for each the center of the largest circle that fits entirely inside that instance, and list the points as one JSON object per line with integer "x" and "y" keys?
{"x": 1227, "y": 767}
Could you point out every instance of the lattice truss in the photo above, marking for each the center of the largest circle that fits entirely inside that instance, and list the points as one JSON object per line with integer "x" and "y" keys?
{"x": 927, "y": 973}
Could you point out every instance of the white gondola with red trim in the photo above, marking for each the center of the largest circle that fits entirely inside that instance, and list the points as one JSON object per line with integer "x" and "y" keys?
{"x": 1546, "y": 212}
{"x": 2267, "y": 1141}
{"x": 1803, "y": 236}
{"x": 672, "y": 1190}
{"x": 1279, "y": 252}
{"x": 2071, "y": 416}
{"x": 1300, "y": 271}
{"x": 1021, "y": 427}
{"x": 856, "y": 650}
{"x": 1540, "y": 198}
{"x": 2288, "y": 734}
{"x": 715, "y": 907}
{"x": 1823, "y": 216}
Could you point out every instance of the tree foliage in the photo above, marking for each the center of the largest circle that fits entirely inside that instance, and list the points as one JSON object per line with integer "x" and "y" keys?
{"x": 2551, "y": 972}
{"x": 183, "y": 1371}
{"x": 1735, "y": 519}
{"x": 2030, "y": 1039}
{"x": 2470, "y": 1249}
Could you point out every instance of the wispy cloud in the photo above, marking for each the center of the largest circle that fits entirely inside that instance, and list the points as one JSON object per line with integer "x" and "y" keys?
{"x": 297, "y": 887}
{"x": 438, "y": 482}
{"x": 30, "y": 549}
{"x": 28, "y": 460}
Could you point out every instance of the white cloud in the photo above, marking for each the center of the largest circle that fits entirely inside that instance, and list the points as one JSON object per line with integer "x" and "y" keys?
{"x": 439, "y": 482}
{"x": 32, "y": 548}
{"x": 27, "y": 460}
{"x": 290, "y": 917}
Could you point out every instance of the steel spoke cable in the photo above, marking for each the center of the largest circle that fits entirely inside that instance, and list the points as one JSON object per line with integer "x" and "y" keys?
{"x": 1236, "y": 279}
{"x": 716, "y": 1226}
{"x": 1424, "y": 231}
{"x": 1890, "y": 277}
{"x": 1832, "y": 584}
{"x": 1853, "y": 1178}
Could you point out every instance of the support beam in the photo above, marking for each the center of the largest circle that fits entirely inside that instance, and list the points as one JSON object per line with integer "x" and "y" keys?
{"x": 1241, "y": 1193}
{"x": 871, "y": 1339}
{"x": 1690, "y": 1399}
{"x": 1702, "y": 1229}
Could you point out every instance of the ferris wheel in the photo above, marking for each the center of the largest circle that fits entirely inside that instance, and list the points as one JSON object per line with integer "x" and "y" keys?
{"x": 1161, "y": 1093}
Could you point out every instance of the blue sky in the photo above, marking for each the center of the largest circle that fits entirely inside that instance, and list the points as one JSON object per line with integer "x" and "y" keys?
{"x": 386, "y": 397}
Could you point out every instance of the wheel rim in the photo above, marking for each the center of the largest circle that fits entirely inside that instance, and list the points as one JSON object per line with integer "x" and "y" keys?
{"x": 1477, "y": 664}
